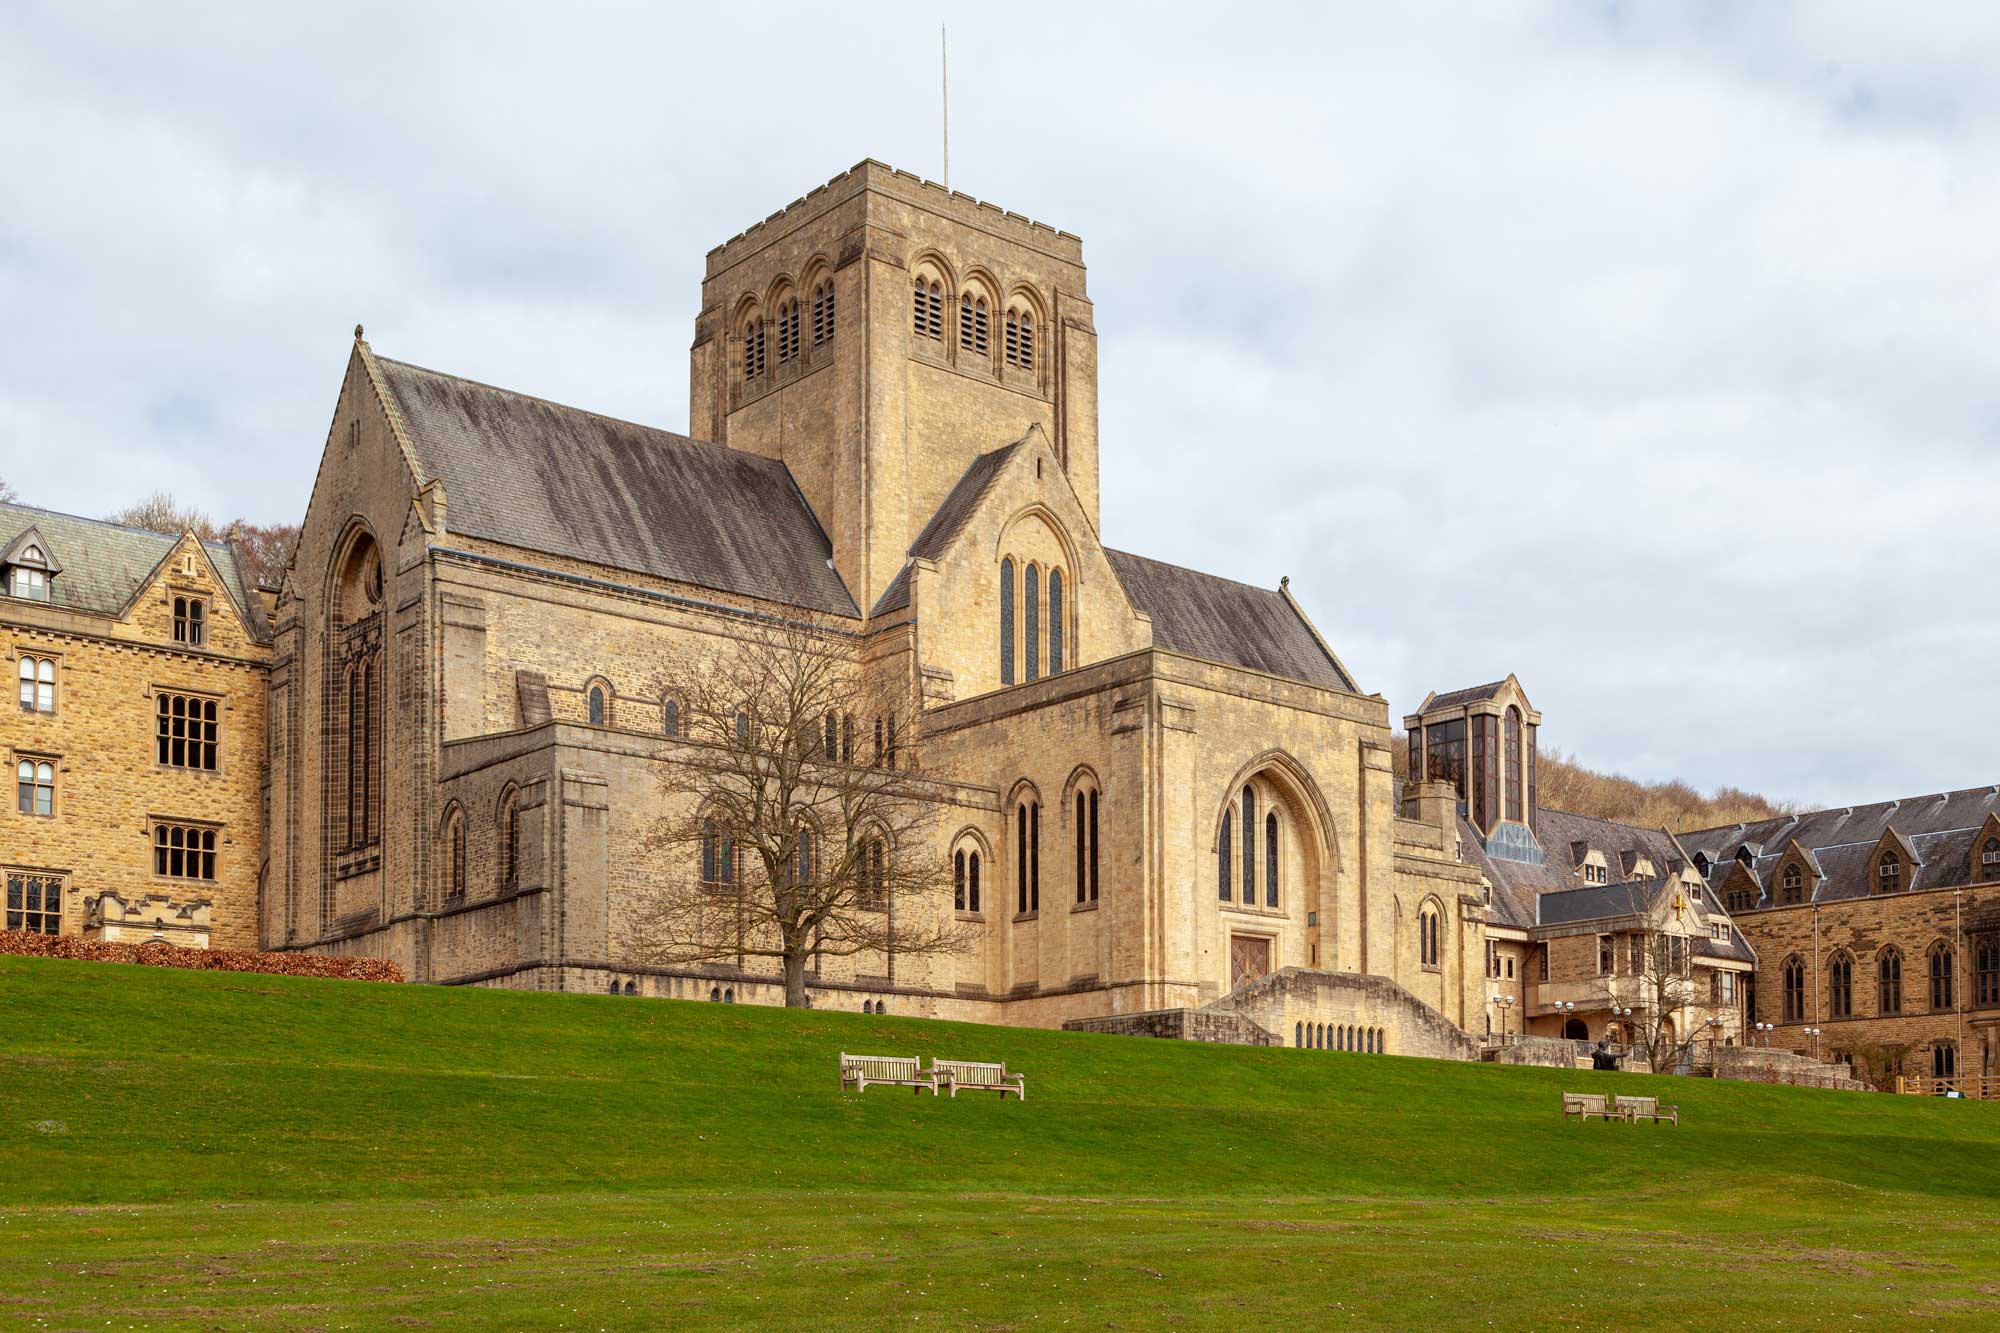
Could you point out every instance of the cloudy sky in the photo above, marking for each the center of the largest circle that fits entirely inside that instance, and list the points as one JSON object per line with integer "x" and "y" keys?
{"x": 1645, "y": 351}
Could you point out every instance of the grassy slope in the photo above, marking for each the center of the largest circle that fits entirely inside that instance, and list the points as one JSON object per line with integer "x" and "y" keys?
{"x": 328, "y": 1154}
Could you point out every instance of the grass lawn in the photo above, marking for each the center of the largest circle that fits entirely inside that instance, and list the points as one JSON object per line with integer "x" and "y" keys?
{"x": 214, "y": 1150}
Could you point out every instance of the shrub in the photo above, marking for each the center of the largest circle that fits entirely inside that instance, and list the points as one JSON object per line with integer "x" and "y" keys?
{"x": 212, "y": 960}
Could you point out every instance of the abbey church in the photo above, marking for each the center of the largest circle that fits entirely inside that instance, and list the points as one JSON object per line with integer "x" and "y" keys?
{"x": 1181, "y": 805}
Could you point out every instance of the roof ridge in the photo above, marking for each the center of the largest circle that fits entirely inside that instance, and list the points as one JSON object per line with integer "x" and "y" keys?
{"x": 222, "y": 542}
{"x": 1219, "y": 578}
{"x": 1888, "y": 805}
{"x": 571, "y": 407}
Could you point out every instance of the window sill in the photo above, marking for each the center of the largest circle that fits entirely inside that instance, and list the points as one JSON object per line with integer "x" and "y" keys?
{"x": 1270, "y": 913}
{"x": 1090, "y": 906}
{"x": 1026, "y": 916}
{"x": 969, "y": 916}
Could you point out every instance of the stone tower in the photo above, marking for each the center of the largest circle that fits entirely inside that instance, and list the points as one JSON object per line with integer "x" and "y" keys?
{"x": 879, "y": 334}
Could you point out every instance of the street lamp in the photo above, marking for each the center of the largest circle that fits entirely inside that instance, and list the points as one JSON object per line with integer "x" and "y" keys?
{"x": 1623, "y": 1015}
{"x": 1763, "y": 1031}
{"x": 1505, "y": 1002}
{"x": 1814, "y": 1034}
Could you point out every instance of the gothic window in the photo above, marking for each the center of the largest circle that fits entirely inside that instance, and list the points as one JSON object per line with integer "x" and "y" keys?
{"x": 38, "y": 685}
{"x": 805, "y": 863}
{"x": 847, "y": 739}
{"x": 1794, "y": 984}
{"x": 1944, "y": 1060}
{"x": 788, "y": 330}
{"x": 1943, "y": 964}
{"x": 1086, "y": 845}
{"x": 1889, "y": 873}
{"x": 718, "y": 855}
{"x": 832, "y": 738}
{"x": 1224, "y": 857}
{"x": 35, "y": 781}
{"x": 1741, "y": 900}
{"x": 1889, "y": 976}
{"x": 1792, "y": 884}
{"x": 34, "y": 902}
{"x": 183, "y": 851}
{"x": 509, "y": 830}
{"x": 1031, "y": 605}
{"x": 451, "y": 850}
{"x": 186, "y": 732}
{"x": 742, "y": 728}
{"x": 1986, "y": 969}
{"x": 670, "y": 717}
{"x": 1055, "y": 621}
{"x": 972, "y": 881}
{"x": 874, "y": 895}
{"x": 1028, "y": 858}
{"x": 823, "y": 313}
{"x": 1989, "y": 859}
{"x": 596, "y": 705}
{"x": 1271, "y": 859}
{"x": 190, "y": 621}
{"x": 1430, "y": 934}
{"x": 1020, "y": 337}
{"x": 1249, "y": 846}
{"x": 1840, "y": 986}
{"x": 972, "y": 334}
{"x": 753, "y": 348}
{"x": 928, "y": 309}
{"x": 1513, "y": 743}
{"x": 1007, "y": 621}
{"x": 1607, "y": 955}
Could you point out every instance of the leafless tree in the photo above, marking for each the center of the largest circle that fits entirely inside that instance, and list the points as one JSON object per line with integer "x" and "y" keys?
{"x": 160, "y": 512}
{"x": 7, "y": 495}
{"x": 1655, "y": 961}
{"x": 794, "y": 828}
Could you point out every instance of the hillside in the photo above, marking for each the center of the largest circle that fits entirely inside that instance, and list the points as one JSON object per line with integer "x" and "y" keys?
{"x": 316, "y": 1153}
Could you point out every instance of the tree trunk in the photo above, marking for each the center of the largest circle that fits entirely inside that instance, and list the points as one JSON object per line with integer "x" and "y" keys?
{"x": 795, "y": 975}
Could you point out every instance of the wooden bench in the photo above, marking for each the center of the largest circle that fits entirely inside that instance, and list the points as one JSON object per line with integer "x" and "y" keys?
{"x": 978, "y": 1076}
{"x": 1584, "y": 1105}
{"x": 1648, "y": 1108}
{"x": 902, "y": 1071}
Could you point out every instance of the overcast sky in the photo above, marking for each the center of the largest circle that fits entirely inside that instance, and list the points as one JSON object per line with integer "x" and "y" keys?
{"x": 1645, "y": 351}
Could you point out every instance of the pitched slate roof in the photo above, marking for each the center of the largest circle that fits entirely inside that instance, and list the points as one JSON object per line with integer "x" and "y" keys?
{"x": 557, "y": 479}
{"x": 1459, "y": 698}
{"x": 949, "y": 520}
{"x": 103, "y": 564}
{"x": 1561, "y": 832}
{"x": 1940, "y": 828}
{"x": 1221, "y": 620}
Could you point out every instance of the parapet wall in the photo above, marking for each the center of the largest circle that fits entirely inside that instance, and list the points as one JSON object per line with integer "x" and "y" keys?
{"x": 1291, "y": 999}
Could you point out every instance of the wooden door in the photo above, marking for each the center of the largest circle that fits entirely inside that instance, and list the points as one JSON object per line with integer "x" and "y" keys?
{"x": 1249, "y": 958}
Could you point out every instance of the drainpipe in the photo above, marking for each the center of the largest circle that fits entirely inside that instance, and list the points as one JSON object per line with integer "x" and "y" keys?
{"x": 1958, "y": 989}
{"x": 1818, "y": 1016}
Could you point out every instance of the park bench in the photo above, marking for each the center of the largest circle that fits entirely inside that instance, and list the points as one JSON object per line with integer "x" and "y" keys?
{"x": 979, "y": 1076}
{"x": 1584, "y": 1105}
{"x": 1648, "y": 1108}
{"x": 902, "y": 1071}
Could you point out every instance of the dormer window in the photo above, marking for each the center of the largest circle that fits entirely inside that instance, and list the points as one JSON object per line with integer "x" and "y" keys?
{"x": 1889, "y": 873}
{"x": 29, "y": 575}
{"x": 1792, "y": 884}
{"x": 1593, "y": 873}
{"x": 1989, "y": 859}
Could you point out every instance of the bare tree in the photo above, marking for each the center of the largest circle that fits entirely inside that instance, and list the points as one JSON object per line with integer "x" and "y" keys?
{"x": 794, "y": 829}
{"x": 1654, "y": 974}
{"x": 7, "y": 494}
{"x": 160, "y": 512}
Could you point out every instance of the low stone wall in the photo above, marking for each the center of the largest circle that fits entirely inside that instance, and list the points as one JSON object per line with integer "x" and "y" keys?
{"x": 1178, "y": 1025}
{"x": 204, "y": 960}
{"x": 1758, "y": 1064}
{"x": 1295, "y": 1000}
{"x": 1542, "y": 1052}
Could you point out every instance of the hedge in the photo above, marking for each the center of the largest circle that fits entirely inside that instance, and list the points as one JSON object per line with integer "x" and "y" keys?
{"x": 213, "y": 960}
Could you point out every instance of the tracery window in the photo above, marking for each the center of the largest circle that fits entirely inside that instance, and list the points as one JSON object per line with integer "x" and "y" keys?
{"x": 1889, "y": 873}
{"x": 1792, "y": 884}
{"x": 874, "y": 895}
{"x": 1889, "y": 980}
{"x": 1840, "y": 986}
{"x": 1944, "y": 1060}
{"x": 1793, "y": 982}
{"x": 34, "y": 902}
{"x": 1007, "y": 621}
{"x": 1986, "y": 970}
{"x": 187, "y": 732}
{"x": 1943, "y": 966}
{"x": 38, "y": 684}
{"x": 35, "y": 782}
{"x": 718, "y": 855}
{"x": 928, "y": 309}
{"x": 965, "y": 880}
{"x": 190, "y": 621}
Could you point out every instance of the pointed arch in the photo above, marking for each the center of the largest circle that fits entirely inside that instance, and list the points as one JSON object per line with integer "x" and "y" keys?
{"x": 507, "y": 838}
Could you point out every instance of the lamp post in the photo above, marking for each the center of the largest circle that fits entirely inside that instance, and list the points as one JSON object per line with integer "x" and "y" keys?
{"x": 1814, "y": 1034}
{"x": 1762, "y": 1034}
{"x": 1505, "y": 1002}
{"x": 1623, "y": 1015}
{"x": 1563, "y": 1009}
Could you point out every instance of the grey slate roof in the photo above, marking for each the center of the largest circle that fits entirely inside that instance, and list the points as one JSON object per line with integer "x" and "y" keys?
{"x": 557, "y": 479}
{"x": 1561, "y": 833}
{"x": 1940, "y": 828}
{"x": 1601, "y": 900}
{"x": 950, "y": 518}
{"x": 103, "y": 564}
{"x": 1459, "y": 698}
{"x": 1221, "y": 620}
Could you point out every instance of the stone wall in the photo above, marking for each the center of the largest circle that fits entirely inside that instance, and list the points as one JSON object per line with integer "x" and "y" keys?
{"x": 1294, "y": 999}
{"x": 1179, "y": 1025}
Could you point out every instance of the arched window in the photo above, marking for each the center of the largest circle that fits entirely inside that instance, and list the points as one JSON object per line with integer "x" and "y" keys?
{"x": 742, "y": 728}
{"x": 1430, "y": 935}
{"x": 1028, "y": 860}
{"x": 823, "y": 323}
{"x": 1943, "y": 967}
{"x": 1249, "y": 846}
{"x": 29, "y": 576}
{"x": 1792, "y": 883}
{"x": 972, "y": 882}
{"x": 1271, "y": 859}
{"x": 1007, "y": 621}
{"x": 965, "y": 880}
{"x": 1298, "y": 1034}
{"x": 1513, "y": 756}
{"x": 36, "y": 782}
{"x": 596, "y": 705}
{"x": 1944, "y": 1060}
{"x": 670, "y": 717}
{"x": 874, "y": 895}
{"x": 1055, "y": 621}
{"x": 34, "y": 903}
{"x": 927, "y": 309}
{"x": 847, "y": 739}
{"x": 452, "y": 849}
{"x": 718, "y": 855}
{"x": 1031, "y": 606}
{"x": 1020, "y": 337}
{"x": 1889, "y": 873}
{"x": 1986, "y": 969}
{"x": 1889, "y": 978}
{"x": 804, "y": 866}
{"x": 1840, "y": 986}
{"x": 1989, "y": 859}
{"x": 972, "y": 327}
{"x": 1794, "y": 985}
{"x": 190, "y": 621}
{"x": 715, "y": 995}
{"x": 753, "y": 347}
{"x": 38, "y": 685}
{"x": 1224, "y": 856}
{"x": 510, "y": 839}
{"x": 1086, "y": 845}
{"x": 788, "y": 330}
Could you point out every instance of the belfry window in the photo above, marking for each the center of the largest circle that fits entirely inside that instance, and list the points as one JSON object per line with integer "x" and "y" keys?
{"x": 823, "y": 313}
{"x": 972, "y": 328}
{"x": 788, "y": 331}
{"x": 928, "y": 309}
{"x": 753, "y": 348}
{"x": 1020, "y": 338}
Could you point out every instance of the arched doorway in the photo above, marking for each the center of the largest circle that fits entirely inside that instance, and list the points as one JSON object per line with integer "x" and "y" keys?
{"x": 1576, "y": 1029}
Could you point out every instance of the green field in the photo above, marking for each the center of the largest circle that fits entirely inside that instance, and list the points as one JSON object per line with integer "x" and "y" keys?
{"x": 215, "y": 1150}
